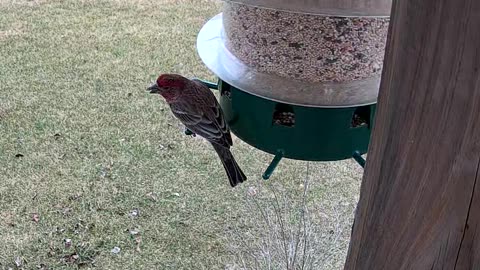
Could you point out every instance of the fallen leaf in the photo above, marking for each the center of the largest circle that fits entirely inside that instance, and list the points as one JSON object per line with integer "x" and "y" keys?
{"x": 115, "y": 250}
{"x": 71, "y": 258}
{"x": 68, "y": 242}
{"x": 18, "y": 261}
{"x": 134, "y": 213}
{"x": 138, "y": 241}
{"x": 134, "y": 231}
{"x": 35, "y": 217}
{"x": 252, "y": 191}
{"x": 152, "y": 196}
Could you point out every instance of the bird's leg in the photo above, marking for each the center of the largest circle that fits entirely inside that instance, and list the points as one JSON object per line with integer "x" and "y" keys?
{"x": 188, "y": 132}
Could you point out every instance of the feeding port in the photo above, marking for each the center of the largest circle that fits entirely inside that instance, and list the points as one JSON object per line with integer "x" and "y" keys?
{"x": 283, "y": 115}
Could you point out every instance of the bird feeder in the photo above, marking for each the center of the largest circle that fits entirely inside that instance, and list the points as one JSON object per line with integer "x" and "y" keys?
{"x": 298, "y": 79}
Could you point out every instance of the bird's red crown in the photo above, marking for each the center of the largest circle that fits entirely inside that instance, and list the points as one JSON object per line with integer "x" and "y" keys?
{"x": 171, "y": 81}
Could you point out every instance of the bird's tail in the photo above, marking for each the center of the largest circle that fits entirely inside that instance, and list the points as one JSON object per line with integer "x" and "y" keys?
{"x": 235, "y": 174}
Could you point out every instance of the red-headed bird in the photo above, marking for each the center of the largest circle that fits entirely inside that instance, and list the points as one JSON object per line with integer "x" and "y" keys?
{"x": 196, "y": 107}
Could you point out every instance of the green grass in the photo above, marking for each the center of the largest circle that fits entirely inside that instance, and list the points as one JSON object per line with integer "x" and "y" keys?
{"x": 78, "y": 69}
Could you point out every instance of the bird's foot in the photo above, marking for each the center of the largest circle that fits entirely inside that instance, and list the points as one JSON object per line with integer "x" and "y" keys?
{"x": 188, "y": 132}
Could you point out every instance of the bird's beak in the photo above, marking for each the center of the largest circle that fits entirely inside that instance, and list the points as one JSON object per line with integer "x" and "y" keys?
{"x": 153, "y": 88}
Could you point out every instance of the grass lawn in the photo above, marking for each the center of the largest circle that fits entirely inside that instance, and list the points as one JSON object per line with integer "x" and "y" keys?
{"x": 87, "y": 155}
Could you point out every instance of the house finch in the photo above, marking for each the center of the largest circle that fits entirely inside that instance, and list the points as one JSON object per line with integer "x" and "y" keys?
{"x": 197, "y": 108}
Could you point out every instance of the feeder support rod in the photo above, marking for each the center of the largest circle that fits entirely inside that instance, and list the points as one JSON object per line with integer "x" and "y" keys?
{"x": 273, "y": 165}
{"x": 210, "y": 85}
{"x": 359, "y": 159}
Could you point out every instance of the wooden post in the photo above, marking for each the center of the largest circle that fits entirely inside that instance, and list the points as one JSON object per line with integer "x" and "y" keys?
{"x": 420, "y": 198}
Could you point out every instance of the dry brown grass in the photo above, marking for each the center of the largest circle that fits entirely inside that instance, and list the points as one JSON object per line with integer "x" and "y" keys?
{"x": 95, "y": 147}
{"x": 12, "y": 31}
{"x": 19, "y": 3}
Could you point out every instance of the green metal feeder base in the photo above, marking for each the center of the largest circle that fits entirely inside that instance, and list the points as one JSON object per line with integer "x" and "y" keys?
{"x": 296, "y": 132}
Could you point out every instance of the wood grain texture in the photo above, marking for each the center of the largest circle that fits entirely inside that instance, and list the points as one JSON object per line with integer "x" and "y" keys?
{"x": 419, "y": 206}
{"x": 469, "y": 255}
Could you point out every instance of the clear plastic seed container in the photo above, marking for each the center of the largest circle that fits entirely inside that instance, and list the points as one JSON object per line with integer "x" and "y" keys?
{"x": 313, "y": 48}
{"x": 344, "y": 8}
{"x": 313, "y": 53}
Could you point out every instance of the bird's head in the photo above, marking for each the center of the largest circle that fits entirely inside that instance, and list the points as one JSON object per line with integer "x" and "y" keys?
{"x": 170, "y": 86}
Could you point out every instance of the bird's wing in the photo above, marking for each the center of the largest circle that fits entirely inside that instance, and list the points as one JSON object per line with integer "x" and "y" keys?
{"x": 204, "y": 118}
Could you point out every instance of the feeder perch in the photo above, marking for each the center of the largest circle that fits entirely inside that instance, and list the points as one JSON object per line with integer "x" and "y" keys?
{"x": 305, "y": 94}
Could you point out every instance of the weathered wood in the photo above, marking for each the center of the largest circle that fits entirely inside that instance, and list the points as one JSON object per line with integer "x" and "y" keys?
{"x": 469, "y": 256}
{"x": 420, "y": 198}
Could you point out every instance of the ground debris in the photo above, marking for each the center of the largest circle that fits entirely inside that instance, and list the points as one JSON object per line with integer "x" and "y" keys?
{"x": 115, "y": 250}
{"x": 35, "y": 217}
{"x": 18, "y": 262}
{"x": 134, "y": 213}
{"x": 68, "y": 243}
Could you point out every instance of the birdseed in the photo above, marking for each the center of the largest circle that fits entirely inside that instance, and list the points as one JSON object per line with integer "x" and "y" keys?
{"x": 284, "y": 119}
{"x": 307, "y": 47}
{"x": 358, "y": 121}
